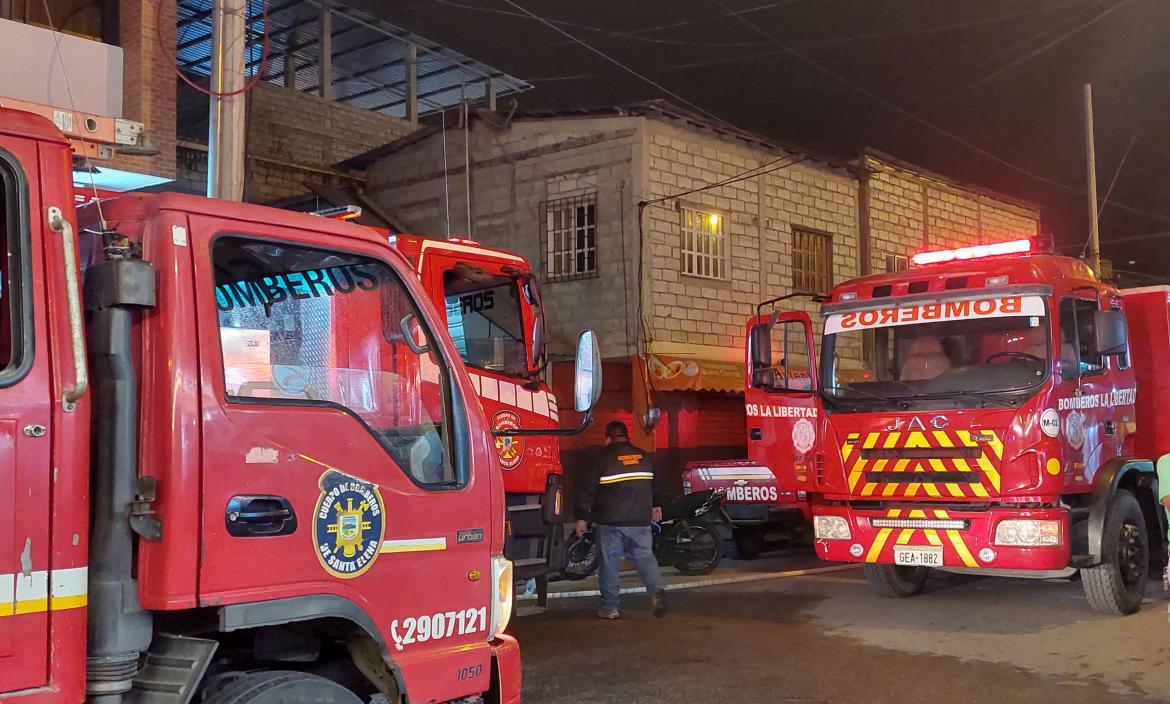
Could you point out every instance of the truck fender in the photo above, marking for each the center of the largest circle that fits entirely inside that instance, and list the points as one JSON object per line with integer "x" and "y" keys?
{"x": 322, "y": 607}
{"x": 1135, "y": 475}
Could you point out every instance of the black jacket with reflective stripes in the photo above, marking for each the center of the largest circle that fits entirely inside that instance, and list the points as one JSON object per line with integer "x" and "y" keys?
{"x": 619, "y": 489}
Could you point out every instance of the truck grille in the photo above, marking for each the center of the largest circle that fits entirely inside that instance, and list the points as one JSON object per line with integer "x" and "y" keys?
{"x": 922, "y": 477}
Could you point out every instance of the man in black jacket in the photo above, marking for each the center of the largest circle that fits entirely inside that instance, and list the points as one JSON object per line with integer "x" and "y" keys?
{"x": 619, "y": 495}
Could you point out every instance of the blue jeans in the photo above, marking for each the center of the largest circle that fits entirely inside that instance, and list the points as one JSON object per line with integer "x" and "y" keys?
{"x": 636, "y": 542}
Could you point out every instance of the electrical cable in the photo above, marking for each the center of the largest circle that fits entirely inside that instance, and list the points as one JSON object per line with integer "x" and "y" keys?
{"x": 173, "y": 58}
{"x": 801, "y": 57}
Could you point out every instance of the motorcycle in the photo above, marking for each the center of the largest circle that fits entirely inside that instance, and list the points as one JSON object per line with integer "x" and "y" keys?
{"x": 689, "y": 537}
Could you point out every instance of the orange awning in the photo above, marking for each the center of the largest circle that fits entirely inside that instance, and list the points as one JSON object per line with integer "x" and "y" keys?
{"x": 670, "y": 373}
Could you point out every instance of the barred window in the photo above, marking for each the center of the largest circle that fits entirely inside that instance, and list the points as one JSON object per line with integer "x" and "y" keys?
{"x": 570, "y": 247}
{"x": 812, "y": 261}
{"x": 704, "y": 244}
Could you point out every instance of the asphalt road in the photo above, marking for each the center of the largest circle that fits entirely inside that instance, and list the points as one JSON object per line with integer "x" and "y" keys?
{"x": 825, "y": 638}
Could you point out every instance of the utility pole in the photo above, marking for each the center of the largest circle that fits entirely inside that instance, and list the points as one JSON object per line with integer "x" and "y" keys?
{"x": 225, "y": 154}
{"x": 1094, "y": 240}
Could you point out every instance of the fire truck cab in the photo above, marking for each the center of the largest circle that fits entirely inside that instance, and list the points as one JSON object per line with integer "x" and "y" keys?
{"x": 241, "y": 458}
{"x": 978, "y": 412}
{"x": 490, "y": 302}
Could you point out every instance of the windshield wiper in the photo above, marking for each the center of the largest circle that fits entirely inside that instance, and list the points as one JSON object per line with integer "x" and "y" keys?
{"x": 888, "y": 399}
{"x": 982, "y": 395}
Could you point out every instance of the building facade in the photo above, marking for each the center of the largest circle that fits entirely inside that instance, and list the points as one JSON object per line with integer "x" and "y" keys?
{"x": 662, "y": 232}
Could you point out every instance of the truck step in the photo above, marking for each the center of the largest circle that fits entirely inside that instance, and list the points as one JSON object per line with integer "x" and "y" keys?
{"x": 174, "y": 666}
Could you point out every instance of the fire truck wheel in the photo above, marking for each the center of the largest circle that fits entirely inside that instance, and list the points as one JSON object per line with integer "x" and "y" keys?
{"x": 1117, "y": 585}
{"x": 895, "y": 581}
{"x": 282, "y": 687}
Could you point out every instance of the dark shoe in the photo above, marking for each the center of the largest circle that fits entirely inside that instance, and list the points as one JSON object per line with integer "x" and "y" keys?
{"x": 658, "y": 602}
{"x": 608, "y": 615}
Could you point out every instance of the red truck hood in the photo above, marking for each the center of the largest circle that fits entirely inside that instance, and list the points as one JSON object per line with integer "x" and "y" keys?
{"x": 745, "y": 482}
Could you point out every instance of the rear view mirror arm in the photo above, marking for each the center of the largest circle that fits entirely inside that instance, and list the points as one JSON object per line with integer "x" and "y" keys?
{"x": 554, "y": 432}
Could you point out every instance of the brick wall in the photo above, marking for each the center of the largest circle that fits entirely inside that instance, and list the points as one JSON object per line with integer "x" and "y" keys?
{"x": 910, "y": 211}
{"x": 294, "y": 137}
{"x": 759, "y": 215}
{"x": 148, "y": 80}
{"x": 514, "y": 172}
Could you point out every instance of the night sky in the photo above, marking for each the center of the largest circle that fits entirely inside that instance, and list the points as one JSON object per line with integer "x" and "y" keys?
{"x": 1002, "y": 78}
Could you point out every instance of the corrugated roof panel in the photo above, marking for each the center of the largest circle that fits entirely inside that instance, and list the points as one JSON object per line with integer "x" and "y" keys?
{"x": 369, "y": 55}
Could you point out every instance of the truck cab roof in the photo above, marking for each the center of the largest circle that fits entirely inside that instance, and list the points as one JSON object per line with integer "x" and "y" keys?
{"x": 1007, "y": 270}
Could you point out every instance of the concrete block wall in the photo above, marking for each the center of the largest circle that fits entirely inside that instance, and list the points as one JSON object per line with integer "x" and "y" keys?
{"x": 910, "y": 211}
{"x": 759, "y": 214}
{"x": 514, "y": 172}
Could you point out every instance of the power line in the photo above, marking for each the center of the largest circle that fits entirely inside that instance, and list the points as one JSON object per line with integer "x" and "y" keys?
{"x": 926, "y": 123}
{"x": 619, "y": 64}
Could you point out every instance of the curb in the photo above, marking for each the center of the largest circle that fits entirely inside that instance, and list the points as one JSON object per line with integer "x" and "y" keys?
{"x": 718, "y": 581}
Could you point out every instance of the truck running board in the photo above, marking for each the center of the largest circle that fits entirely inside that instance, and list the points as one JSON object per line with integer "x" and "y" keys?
{"x": 173, "y": 669}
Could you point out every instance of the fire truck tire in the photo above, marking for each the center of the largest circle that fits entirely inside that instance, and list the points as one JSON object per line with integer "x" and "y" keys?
{"x": 1117, "y": 585}
{"x": 895, "y": 581}
{"x": 282, "y": 687}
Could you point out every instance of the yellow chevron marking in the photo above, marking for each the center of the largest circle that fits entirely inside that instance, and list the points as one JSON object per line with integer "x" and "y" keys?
{"x": 905, "y": 535}
{"x": 894, "y": 513}
{"x": 892, "y": 440}
{"x": 867, "y": 490}
{"x": 847, "y": 448}
{"x": 878, "y": 543}
{"x": 932, "y": 538}
{"x": 932, "y": 490}
{"x": 917, "y": 439}
{"x": 954, "y": 489}
{"x": 943, "y": 439}
{"x": 859, "y": 466}
{"x": 912, "y": 489}
{"x": 900, "y": 465}
{"x": 889, "y": 489}
{"x": 937, "y": 465}
{"x": 918, "y": 513}
{"x": 979, "y": 491}
{"x": 989, "y": 470}
{"x": 996, "y": 445}
{"x": 961, "y": 548}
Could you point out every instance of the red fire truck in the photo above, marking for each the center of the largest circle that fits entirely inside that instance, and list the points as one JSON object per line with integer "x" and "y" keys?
{"x": 250, "y": 471}
{"x": 980, "y": 411}
{"x": 491, "y": 303}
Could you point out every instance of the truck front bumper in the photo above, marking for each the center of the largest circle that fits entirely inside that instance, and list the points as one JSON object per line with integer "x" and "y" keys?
{"x": 506, "y": 679}
{"x": 966, "y": 538}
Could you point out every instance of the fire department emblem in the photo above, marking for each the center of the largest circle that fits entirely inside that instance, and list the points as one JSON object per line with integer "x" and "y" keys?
{"x": 348, "y": 524}
{"x": 1074, "y": 429}
{"x": 804, "y": 435}
{"x": 509, "y": 448}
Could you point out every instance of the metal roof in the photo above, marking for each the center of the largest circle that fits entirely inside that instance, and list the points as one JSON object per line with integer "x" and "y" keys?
{"x": 369, "y": 55}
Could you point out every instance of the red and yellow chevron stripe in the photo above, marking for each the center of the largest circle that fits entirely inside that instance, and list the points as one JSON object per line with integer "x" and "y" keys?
{"x": 863, "y": 457}
{"x": 906, "y": 535}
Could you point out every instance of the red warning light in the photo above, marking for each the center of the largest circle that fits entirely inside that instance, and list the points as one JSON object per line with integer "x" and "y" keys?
{"x": 978, "y": 251}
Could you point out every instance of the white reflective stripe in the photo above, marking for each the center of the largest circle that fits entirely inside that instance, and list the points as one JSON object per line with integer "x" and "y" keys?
{"x": 69, "y": 582}
{"x": 515, "y": 395}
{"x": 413, "y": 545}
{"x": 32, "y": 593}
{"x": 736, "y": 472}
{"x": 625, "y": 476}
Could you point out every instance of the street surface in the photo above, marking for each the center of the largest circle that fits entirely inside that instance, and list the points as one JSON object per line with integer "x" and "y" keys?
{"x": 823, "y": 637}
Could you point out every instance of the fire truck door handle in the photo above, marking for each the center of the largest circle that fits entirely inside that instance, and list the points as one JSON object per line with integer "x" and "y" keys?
{"x": 1109, "y": 427}
{"x": 757, "y": 433}
{"x": 260, "y": 516}
{"x": 58, "y": 223}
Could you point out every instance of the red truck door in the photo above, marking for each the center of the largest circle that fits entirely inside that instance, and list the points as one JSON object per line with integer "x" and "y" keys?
{"x": 25, "y": 429}
{"x": 330, "y": 465}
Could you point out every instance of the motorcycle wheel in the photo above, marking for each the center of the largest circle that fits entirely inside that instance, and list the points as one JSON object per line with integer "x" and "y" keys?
{"x": 697, "y": 549}
{"x": 581, "y": 558}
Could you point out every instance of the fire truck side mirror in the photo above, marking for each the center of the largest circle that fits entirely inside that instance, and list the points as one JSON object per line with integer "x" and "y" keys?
{"x": 1109, "y": 327}
{"x": 586, "y": 372}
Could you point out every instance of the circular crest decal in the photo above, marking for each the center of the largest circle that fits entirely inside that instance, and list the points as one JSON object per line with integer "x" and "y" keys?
{"x": 348, "y": 524}
{"x": 509, "y": 448}
{"x": 1050, "y": 422}
{"x": 1074, "y": 429}
{"x": 804, "y": 435}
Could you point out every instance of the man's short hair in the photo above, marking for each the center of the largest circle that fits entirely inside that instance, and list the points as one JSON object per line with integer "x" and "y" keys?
{"x": 616, "y": 429}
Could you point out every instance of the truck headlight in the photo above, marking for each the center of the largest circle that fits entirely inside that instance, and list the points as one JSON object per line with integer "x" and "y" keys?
{"x": 503, "y": 586}
{"x": 831, "y": 528}
{"x": 1027, "y": 533}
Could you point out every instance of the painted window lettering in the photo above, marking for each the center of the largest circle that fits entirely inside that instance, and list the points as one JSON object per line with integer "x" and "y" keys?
{"x": 1105, "y": 399}
{"x": 421, "y": 629}
{"x": 964, "y": 309}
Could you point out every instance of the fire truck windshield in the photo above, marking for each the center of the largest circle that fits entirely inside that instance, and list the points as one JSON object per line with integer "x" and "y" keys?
{"x": 986, "y": 352}
{"x": 486, "y": 321}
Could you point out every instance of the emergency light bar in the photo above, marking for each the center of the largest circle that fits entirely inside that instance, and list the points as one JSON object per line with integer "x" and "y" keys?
{"x": 978, "y": 251}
